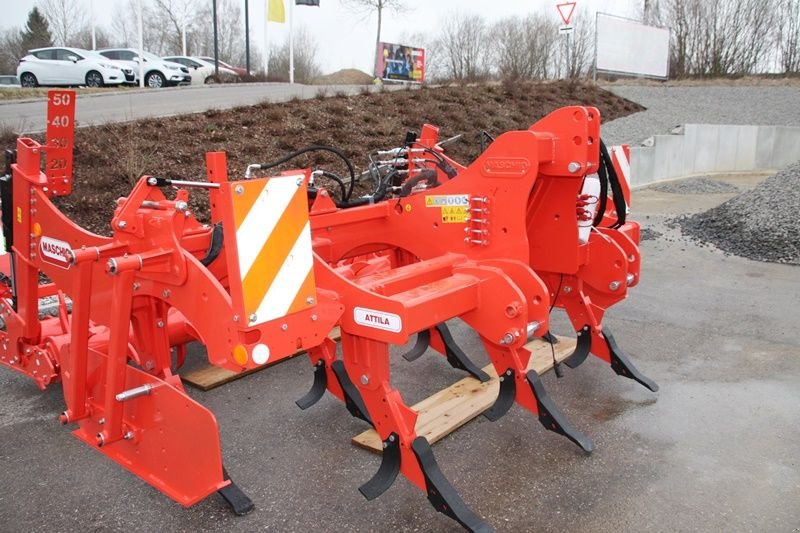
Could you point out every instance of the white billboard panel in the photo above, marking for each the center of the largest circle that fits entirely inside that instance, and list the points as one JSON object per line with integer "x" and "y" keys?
{"x": 630, "y": 47}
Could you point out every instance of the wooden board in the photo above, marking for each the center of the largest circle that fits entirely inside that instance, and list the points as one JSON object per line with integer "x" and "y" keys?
{"x": 450, "y": 408}
{"x": 210, "y": 377}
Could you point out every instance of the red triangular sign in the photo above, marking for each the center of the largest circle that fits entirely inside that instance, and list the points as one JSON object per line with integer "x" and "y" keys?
{"x": 566, "y": 10}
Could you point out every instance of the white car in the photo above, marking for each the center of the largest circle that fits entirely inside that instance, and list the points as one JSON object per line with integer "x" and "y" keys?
{"x": 202, "y": 71}
{"x": 157, "y": 72}
{"x": 69, "y": 66}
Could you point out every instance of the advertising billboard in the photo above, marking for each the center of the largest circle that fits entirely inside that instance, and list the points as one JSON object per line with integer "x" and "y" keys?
{"x": 397, "y": 62}
{"x": 626, "y": 46}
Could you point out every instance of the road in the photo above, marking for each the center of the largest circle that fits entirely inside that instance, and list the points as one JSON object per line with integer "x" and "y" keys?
{"x": 30, "y": 115}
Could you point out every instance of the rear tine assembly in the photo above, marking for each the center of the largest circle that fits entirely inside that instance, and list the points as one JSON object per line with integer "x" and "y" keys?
{"x": 423, "y": 341}
{"x": 387, "y": 473}
{"x": 235, "y": 497}
{"x": 441, "y": 493}
{"x": 352, "y": 398}
{"x": 582, "y": 348}
{"x": 456, "y": 356}
{"x": 551, "y": 418}
{"x": 623, "y": 366}
{"x": 505, "y": 398}
{"x": 317, "y": 388}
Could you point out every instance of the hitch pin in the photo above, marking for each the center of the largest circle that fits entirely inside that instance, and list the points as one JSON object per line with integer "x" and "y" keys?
{"x": 130, "y": 394}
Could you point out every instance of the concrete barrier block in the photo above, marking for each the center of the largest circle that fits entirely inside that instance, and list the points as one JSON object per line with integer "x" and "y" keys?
{"x": 705, "y": 156}
{"x": 765, "y": 144}
{"x": 689, "y": 144}
{"x": 786, "y": 147}
{"x": 665, "y": 153}
{"x": 727, "y": 141}
{"x": 642, "y": 164}
{"x": 746, "y": 148}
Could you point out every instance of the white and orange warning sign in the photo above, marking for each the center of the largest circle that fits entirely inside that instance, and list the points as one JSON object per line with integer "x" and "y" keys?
{"x": 273, "y": 260}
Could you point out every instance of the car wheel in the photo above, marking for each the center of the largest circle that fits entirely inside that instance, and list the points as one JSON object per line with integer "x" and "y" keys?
{"x": 28, "y": 80}
{"x": 154, "y": 80}
{"x": 94, "y": 79}
{"x": 211, "y": 79}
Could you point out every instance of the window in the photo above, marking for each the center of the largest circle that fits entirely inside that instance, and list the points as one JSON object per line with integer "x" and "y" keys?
{"x": 110, "y": 54}
{"x": 127, "y": 55}
{"x": 66, "y": 55}
{"x": 45, "y": 54}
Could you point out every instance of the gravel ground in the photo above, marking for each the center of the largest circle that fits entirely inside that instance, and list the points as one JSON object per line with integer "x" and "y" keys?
{"x": 760, "y": 224}
{"x": 696, "y": 186}
{"x": 649, "y": 234}
{"x": 668, "y": 107}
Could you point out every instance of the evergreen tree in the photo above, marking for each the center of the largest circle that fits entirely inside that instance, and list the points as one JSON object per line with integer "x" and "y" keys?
{"x": 37, "y": 32}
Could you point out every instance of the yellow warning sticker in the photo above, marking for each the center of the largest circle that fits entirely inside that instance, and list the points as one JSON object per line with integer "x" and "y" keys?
{"x": 454, "y": 215}
{"x": 454, "y": 206}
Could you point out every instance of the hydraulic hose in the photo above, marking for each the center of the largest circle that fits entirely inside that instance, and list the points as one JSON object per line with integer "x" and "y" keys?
{"x": 317, "y": 148}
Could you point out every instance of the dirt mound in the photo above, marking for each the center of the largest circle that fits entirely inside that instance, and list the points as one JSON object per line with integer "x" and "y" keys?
{"x": 761, "y": 224}
{"x": 109, "y": 159}
{"x": 347, "y": 76}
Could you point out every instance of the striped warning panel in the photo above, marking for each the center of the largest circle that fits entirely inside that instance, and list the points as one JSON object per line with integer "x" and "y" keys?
{"x": 273, "y": 247}
{"x": 621, "y": 159}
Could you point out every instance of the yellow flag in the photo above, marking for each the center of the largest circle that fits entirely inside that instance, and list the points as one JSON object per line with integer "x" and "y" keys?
{"x": 275, "y": 12}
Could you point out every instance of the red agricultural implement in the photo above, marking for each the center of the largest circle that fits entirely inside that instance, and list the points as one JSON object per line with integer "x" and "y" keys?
{"x": 536, "y": 222}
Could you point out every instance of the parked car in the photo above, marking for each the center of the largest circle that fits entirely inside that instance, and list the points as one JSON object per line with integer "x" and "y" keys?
{"x": 157, "y": 72}
{"x": 201, "y": 71}
{"x": 238, "y": 70}
{"x": 9, "y": 82}
{"x": 70, "y": 66}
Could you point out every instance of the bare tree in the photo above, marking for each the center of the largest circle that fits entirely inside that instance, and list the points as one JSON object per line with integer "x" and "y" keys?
{"x": 11, "y": 49}
{"x": 368, "y": 7}
{"x": 789, "y": 36}
{"x": 181, "y": 15}
{"x": 720, "y": 37}
{"x": 306, "y": 59}
{"x": 463, "y": 47}
{"x": 523, "y": 47}
{"x": 65, "y": 17}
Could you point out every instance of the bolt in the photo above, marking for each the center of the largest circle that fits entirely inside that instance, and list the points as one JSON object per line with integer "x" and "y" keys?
{"x": 299, "y": 181}
{"x": 284, "y": 327}
{"x": 101, "y": 421}
{"x": 160, "y": 324}
{"x": 574, "y": 167}
{"x": 152, "y": 181}
{"x": 324, "y": 193}
{"x": 239, "y": 189}
{"x": 309, "y": 300}
{"x": 100, "y": 440}
{"x": 614, "y": 285}
{"x": 136, "y": 285}
{"x": 508, "y": 338}
{"x": 629, "y": 279}
{"x": 165, "y": 293}
{"x": 313, "y": 318}
{"x": 253, "y": 317}
{"x": 567, "y": 289}
{"x": 364, "y": 379}
{"x": 236, "y": 318}
{"x": 122, "y": 224}
{"x": 128, "y": 435}
{"x": 181, "y": 206}
{"x": 391, "y": 438}
{"x": 631, "y": 258}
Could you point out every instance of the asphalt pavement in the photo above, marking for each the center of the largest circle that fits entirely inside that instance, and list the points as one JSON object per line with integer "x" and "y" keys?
{"x": 123, "y": 106}
{"x": 716, "y": 449}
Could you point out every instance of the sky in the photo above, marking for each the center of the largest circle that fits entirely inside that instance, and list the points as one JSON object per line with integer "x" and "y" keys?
{"x": 345, "y": 39}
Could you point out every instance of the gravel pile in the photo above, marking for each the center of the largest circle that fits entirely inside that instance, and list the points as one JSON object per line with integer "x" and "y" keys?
{"x": 648, "y": 234}
{"x": 696, "y": 186}
{"x": 761, "y": 224}
{"x": 668, "y": 107}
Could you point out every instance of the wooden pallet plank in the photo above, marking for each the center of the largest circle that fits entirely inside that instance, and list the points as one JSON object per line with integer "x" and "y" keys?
{"x": 447, "y": 410}
{"x": 210, "y": 377}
